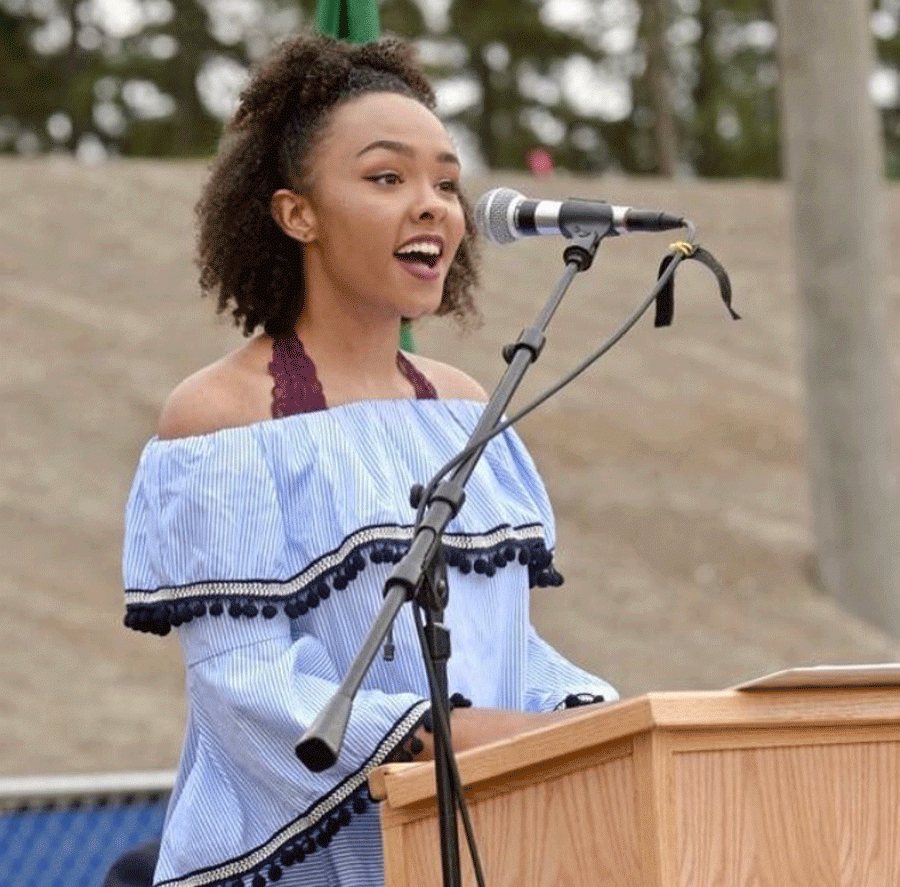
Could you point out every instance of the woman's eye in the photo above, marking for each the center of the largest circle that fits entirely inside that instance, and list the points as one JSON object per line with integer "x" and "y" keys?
{"x": 450, "y": 186}
{"x": 385, "y": 178}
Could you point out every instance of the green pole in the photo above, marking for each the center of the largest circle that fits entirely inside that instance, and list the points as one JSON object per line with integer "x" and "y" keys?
{"x": 353, "y": 20}
{"x": 356, "y": 21}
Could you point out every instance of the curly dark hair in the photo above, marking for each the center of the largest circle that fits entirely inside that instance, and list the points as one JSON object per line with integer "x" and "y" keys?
{"x": 245, "y": 258}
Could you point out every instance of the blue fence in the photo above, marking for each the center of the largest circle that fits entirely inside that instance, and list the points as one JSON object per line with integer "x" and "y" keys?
{"x": 69, "y": 830}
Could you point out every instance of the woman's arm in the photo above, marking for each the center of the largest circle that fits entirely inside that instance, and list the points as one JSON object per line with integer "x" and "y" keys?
{"x": 472, "y": 727}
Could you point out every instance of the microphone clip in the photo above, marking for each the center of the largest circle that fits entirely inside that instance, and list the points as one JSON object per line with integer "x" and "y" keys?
{"x": 531, "y": 339}
{"x": 582, "y": 250}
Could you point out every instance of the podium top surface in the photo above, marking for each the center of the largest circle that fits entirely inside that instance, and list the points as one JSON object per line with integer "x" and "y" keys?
{"x": 787, "y": 707}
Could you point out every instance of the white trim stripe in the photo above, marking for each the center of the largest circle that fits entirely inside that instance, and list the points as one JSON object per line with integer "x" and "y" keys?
{"x": 248, "y": 863}
{"x": 249, "y": 588}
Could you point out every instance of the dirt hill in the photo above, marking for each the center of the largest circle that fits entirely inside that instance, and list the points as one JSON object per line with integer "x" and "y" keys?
{"x": 675, "y": 464}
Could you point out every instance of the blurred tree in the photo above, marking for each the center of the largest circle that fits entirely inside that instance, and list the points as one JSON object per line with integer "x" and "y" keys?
{"x": 733, "y": 127}
{"x": 46, "y": 97}
{"x": 516, "y": 62}
{"x": 173, "y": 55}
{"x": 150, "y": 77}
{"x": 21, "y": 110}
{"x": 835, "y": 162}
{"x": 886, "y": 26}
{"x": 656, "y": 20}
{"x": 639, "y": 86}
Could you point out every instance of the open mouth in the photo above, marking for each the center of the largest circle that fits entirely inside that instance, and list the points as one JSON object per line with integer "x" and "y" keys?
{"x": 425, "y": 252}
{"x": 415, "y": 258}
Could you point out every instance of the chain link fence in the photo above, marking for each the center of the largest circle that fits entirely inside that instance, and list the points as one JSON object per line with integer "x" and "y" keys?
{"x": 68, "y": 831}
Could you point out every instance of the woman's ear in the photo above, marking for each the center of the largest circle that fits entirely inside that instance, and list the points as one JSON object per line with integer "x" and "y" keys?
{"x": 294, "y": 215}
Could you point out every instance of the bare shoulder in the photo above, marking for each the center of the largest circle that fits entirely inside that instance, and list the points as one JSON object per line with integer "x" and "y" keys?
{"x": 228, "y": 393}
{"x": 198, "y": 405}
{"x": 448, "y": 381}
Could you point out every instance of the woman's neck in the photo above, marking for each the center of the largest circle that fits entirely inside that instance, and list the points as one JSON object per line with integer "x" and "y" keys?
{"x": 355, "y": 358}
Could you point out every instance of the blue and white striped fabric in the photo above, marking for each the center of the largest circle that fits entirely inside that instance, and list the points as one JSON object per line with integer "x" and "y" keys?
{"x": 268, "y": 547}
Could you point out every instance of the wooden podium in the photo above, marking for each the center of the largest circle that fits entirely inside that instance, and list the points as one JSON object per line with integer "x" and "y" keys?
{"x": 773, "y": 788}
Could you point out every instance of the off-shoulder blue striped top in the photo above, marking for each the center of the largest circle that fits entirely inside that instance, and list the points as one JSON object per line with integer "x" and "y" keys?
{"x": 267, "y": 547}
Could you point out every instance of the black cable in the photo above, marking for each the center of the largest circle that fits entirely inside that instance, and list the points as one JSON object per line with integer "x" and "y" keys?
{"x": 439, "y": 717}
{"x": 677, "y": 257}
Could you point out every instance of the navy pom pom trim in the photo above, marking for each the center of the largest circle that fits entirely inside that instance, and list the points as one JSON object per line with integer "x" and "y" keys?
{"x": 300, "y": 847}
{"x": 333, "y": 573}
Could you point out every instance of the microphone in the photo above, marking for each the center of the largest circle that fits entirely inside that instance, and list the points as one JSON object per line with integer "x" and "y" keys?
{"x": 504, "y": 215}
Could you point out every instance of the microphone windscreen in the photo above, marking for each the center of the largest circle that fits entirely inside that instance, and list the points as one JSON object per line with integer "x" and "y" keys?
{"x": 492, "y": 214}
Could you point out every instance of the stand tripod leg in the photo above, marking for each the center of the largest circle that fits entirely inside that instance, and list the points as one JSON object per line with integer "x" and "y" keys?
{"x": 438, "y": 639}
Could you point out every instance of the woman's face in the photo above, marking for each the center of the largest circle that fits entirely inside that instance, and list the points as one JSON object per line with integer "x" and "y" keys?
{"x": 382, "y": 213}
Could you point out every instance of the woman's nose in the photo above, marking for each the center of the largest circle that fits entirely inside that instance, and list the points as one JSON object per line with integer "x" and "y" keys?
{"x": 428, "y": 204}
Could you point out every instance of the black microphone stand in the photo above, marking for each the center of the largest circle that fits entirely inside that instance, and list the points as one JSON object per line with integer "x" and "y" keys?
{"x": 420, "y": 576}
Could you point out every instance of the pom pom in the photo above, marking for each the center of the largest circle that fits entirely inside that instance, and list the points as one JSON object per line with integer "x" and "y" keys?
{"x": 457, "y": 700}
{"x": 159, "y": 622}
{"x": 138, "y": 619}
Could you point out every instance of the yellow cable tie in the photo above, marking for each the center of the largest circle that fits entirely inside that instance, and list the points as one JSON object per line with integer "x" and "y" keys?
{"x": 682, "y": 246}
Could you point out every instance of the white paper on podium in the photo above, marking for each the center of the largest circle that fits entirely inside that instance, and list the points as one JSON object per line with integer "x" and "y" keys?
{"x": 883, "y": 674}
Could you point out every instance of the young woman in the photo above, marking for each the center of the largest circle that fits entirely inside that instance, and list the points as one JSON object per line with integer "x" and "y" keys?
{"x": 268, "y": 512}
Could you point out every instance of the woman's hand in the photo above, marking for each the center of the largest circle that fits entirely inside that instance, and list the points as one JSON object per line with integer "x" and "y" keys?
{"x": 471, "y": 727}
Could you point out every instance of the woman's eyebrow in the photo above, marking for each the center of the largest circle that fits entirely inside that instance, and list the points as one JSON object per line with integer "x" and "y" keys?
{"x": 408, "y": 150}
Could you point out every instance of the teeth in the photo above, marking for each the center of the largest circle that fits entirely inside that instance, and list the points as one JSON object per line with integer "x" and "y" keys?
{"x": 431, "y": 249}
